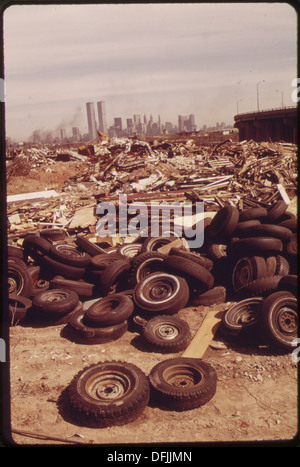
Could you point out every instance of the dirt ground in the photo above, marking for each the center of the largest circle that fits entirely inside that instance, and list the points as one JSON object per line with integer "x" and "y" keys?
{"x": 256, "y": 398}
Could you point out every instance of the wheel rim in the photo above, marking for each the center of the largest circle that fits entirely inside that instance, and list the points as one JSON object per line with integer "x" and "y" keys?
{"x": 15, "y": 282}
{"x": 54, "y": 296}
{"x": 166, "y": 331}
{"x": 148, "y": 267}
{"x": 107, "y": 386}
{"x": 68, "y": 250}
{"x": 182, "y": 376}
{"x": 242, "y": 274}
{"x": 287, "y": 320}
{"x": 159, "y": 288}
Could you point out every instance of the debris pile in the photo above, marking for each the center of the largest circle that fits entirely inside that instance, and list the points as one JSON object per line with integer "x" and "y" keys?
{"x": 61, "y": 272}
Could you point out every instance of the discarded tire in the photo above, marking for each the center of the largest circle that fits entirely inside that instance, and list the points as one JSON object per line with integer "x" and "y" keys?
{"x": 289, "y": 283}
{"x": 154, "y": 243}
{"x": 89, "y": 247}
{"x": 101, "y": 261}
{"x": 267, "y": 230}
{"x": 69, "y": 255}
{"x": 264, "y": 246}
{"x": 35, "y": 247}
{"x": 276, "y": 211}
{"x": 61, "y": 269}
{"x": 207, "y": 263}
{"x": 17, "y": 307}
{"x": 182, "y": 383}
{"x": 280, "y": 319}
{"x": 259, "y": 287}
{"x": 58, "y": 301}
{"x": 86, "y": 332}
{"x": 242, "y": 317}
{"x": 211, "y": 297}
{"x": 113, "y": 274}
{"x": 252, "y": 214}
{"x": 167, "y": 334}
{"x": 193, "y": 271}
{"x": 144, "y": 264}
{"x": 81, "y": 288}
{"x": 224, "y": 223}
{"x": 248, "y": 269}
{"x": 108, "y": 393}
{"x": 161, "y": 293}
{"x": 19, "y": 279}
{"x": 110, "y": 310}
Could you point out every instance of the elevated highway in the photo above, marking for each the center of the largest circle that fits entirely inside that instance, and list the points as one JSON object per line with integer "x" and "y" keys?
{"x": 268, "y": 125}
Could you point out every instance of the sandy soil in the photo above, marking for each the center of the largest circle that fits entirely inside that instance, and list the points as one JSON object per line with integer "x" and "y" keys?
{"x": 256, "y": 398}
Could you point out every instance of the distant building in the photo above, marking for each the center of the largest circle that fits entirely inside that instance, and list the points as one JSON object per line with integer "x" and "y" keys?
{"x": 63, "y": 135}
{"x": 118, "y": 126}
{"x": 75, "y": 134}
{"x": 102, "y": 117}
{"x": 91, "y": 120}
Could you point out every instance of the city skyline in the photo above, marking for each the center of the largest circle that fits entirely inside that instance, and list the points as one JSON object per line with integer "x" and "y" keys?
{"x": 201, "y": 59}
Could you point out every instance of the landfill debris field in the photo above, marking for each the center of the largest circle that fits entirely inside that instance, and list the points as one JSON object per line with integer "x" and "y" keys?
{"x": 122, "y": 339}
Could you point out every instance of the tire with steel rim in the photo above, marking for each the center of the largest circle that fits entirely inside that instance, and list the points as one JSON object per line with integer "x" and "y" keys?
{"x": 109, "y": 393}
{"x": 70, "y": 255}
{"x": 183, "y": 383}
{"x": 187, "y": 268}
{"x": 55, "y": 301}
{"x": 280, "y": 319}
{"x": 19, "y": 279}
{"x": 242, "y": 316}
{"x": 248, "y": 269}
{"x": 144, "y": 264}
{"x": 167, "y": 334}
{"x": 161, "y": 293}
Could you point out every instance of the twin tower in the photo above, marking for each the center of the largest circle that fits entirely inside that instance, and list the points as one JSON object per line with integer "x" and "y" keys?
{"x": 91, "y": 117}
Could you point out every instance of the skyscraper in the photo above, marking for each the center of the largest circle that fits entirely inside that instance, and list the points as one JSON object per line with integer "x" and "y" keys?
{"x": 102, "y": 116}
{"x": 91, "y": 120}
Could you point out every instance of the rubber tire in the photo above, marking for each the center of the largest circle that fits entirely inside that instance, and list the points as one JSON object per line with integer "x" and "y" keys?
{"x": 35, "y": 247}
{"x": 244, "y": 226}
{"x": 224, "y": 223}
{"x": 110, "y": 310}
{"x": 254, "y": 267}
{"x": 17, "y": 308}
{"x": 289, "y": 283}
{"x": 291, "y": 224}
{"x": 89, "y": 247}
{"x": 15, "y": 251}
{"x": 171, "y": 304}
{"x": 76, "y": 258}
{"x": 144, "y": 264}
{"x": 39, "y": 285}
{"x": 271, "y": 318}
{"x": 154, "y": 243}
{"x": 242, "y": 317}
{"x": 292, "y": 246}
{"x": 19, "y": 279}
{"x": 282, "y": 266}
{"x": 81, "y": 288}
{"x": 166, "y": 334}
{"x": 194, "y": 383}
{"x": 100, "y": 262}
{"x": 57, "y": 301}
{"x": 207, "y": 263}
{"x": 191, "y": 270}
{"x": 252, "y": 214}
{"x": 276, "y": 211}
{"x": 211, "y": 297}
{"x": 114, "y": 272}
{"x": 256, "y": 246}
{"x": 268, "y": 230}
{"x": 60, "y": 269}
{"x": 260, "y": 287}
{"x": 85, "y": 333}
{"x": 108, "y": 411}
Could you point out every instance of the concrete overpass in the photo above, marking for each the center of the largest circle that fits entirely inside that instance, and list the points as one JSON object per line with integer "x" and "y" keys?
{"x": 268, "y": 125}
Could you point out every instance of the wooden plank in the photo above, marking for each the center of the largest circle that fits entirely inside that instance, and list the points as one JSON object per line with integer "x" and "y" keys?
{"x": 205, "y": 333}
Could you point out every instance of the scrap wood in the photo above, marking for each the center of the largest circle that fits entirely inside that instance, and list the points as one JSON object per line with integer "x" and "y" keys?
{"x": 34, "y": 434}
{"x": 205, "y": 333}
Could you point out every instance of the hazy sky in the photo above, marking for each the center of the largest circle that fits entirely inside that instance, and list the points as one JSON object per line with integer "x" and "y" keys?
{"x": 166, "y": 59}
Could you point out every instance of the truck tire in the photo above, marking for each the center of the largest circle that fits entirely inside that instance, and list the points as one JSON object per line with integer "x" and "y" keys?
{"x": 166, "y": 334}
{"x": 109, "y": 393}
{"x": 183, "y": 383}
